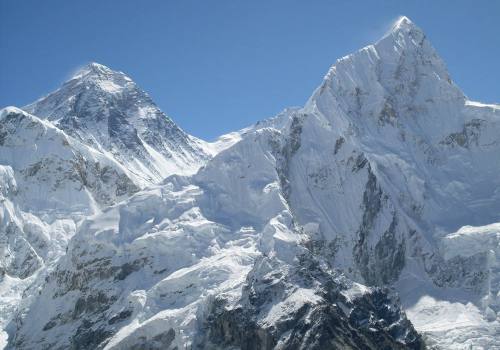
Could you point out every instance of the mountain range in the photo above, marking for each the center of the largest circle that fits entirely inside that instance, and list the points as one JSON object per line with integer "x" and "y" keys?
{"x": 369, "y": 218}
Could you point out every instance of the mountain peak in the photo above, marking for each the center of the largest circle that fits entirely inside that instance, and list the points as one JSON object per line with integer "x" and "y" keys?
{"x": 97, "y": 68}
{"x": 403, "y": 23}
{"x": 404, "y": 33}
{"x": 97, "y": 71}
{"x": 10, "y": 110}
{"x": 106, "y": 110}
{"x": 400, "y": 71}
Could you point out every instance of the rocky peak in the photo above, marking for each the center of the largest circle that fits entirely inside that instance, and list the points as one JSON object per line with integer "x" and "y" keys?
{"x": 407, "y": 44}
{"x": 99, "y": 77}
{"x": 94, "y": 89}
{"x": 106, "y": 110}
{"x": 94, "y": 68}
{"x": 404, "y": 26}
{"x": 399, "y": 81}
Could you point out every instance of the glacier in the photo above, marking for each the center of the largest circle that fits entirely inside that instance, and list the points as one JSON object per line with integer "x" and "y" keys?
{"x": 366, "y": 219}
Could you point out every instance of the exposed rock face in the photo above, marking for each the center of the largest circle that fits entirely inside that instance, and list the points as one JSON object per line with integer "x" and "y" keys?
{"x": 383, "y": 264}
{"x": 306, "y": 307}
{"x": 18, "y": 257}
{"x": 107, "y": 111}
{"x": 468, "y": 137}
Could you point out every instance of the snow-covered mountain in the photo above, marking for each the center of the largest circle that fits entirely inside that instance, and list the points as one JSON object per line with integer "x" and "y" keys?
{"x": 106, "y": 110}
{"x": 57, "y": 168}
{"x": 49, "y": 182}
{"x": 317, "y": 229}
{"x": 182, "y": 263}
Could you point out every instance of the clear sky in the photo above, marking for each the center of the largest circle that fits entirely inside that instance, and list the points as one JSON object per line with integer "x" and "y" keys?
{"x": 219, "y": 65}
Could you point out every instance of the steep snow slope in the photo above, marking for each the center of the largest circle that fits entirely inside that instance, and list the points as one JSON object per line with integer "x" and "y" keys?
{"x": 49, "y": 182}
{"x": 209, "y": 261}
{"x": 391, "y": 158}
{"x": 272, "y": 243}
{"x": 52, "y": 168}
{"x": 455, "y": 318}
{"x": 107, "y": 111}
{"x": 389, "y": 133}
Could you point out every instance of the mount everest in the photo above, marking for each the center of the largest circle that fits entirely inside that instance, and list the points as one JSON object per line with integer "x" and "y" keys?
{"x": 366, "y": 219}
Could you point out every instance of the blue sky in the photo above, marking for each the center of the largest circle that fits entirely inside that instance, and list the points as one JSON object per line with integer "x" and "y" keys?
{"x": 217, "y": 66}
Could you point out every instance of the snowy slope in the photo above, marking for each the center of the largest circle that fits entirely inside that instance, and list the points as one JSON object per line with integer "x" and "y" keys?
{"x": 179, "y": 257}
{"x": 49, "y": 178}
{"x": 455, "y": 318}
{"x": 389, "y": 133}
{"x": 290, "y": 234}
{"x": 51, "y": 167}
{"x": 49, "y": 182}
{"x": 106, "y": 110}
{"x": 100, "y": 140}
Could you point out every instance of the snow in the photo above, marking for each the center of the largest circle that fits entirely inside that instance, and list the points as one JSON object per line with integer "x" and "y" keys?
{"x": 470, "y": 240}
{"x": 288, "y": 306}
{"x": 107, "y": 111}
{"x": 388, "y": 175}
{"x": 110, "y": 87}
{"x": 43, "y": 199}
{"x": 450, "y": 319}
{"x": 355, "y": 291}
{"x": 11, "y": 289}
{"x": 223, "y": 142}
{"x": 479, "y": 104}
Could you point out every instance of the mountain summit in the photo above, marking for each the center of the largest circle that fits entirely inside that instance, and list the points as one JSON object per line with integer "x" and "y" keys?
{"x": 106, "y": 110}
{"x": 94, "y": 69}
{"x": 399, "y": 80}
{"x": 404, "y": 24}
